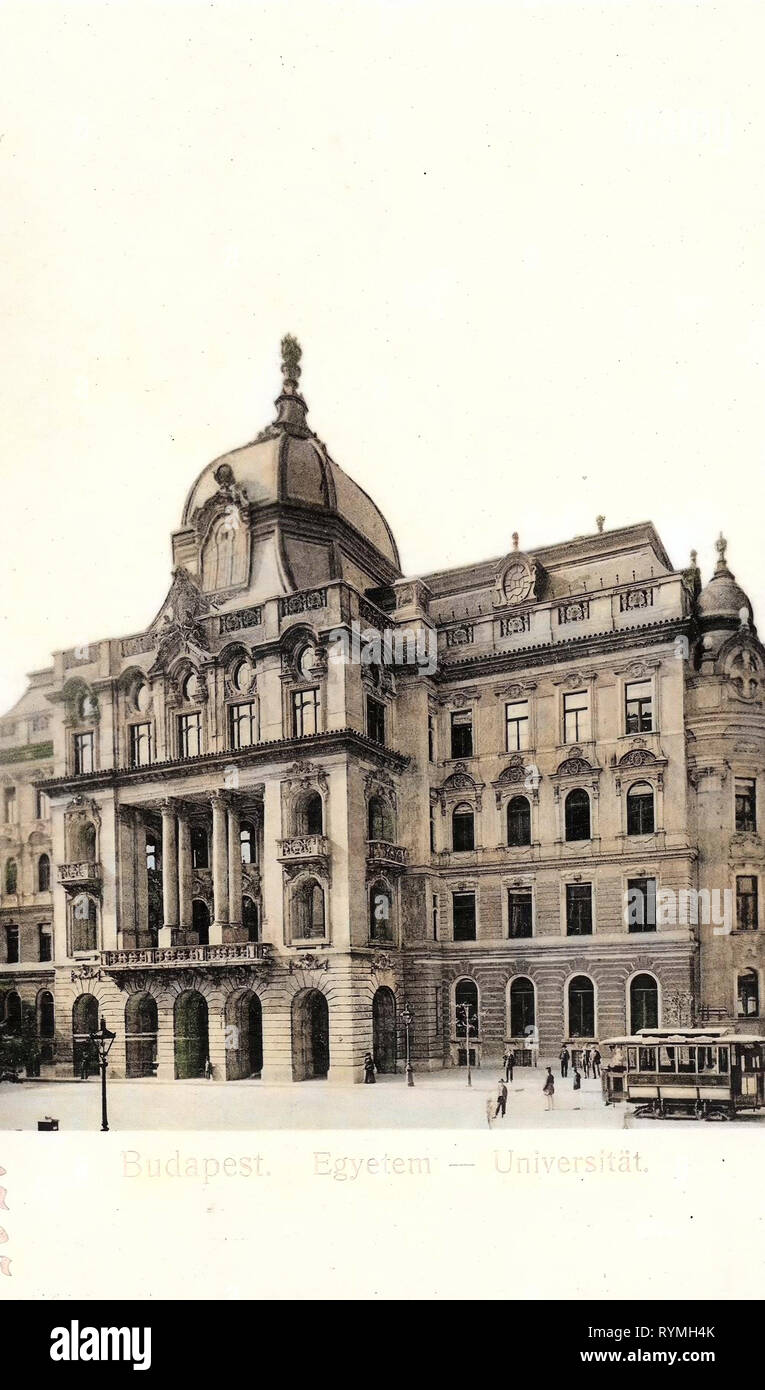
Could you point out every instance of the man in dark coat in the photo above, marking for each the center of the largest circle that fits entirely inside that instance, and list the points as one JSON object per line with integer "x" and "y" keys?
{"x": 501, "y": 1098}
{"x": 564, "y": 1060}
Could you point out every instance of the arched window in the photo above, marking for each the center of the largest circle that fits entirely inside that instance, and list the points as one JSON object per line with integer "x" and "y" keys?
{"x": 463, "y": 827}
{"x": 43, "y": 874}
{"x": 578, "y": 815}
{"x": 380, "y": 912}
{"x": 248, "y": 842}
{"x": 581, "y": 1007}
{"x": 200, "y": 853}
{"x": 640, "y": 814}
{"x": 46, "y": 1025}
{"x": 200, "y": 921}
{"x": 11, "y": 876}
{"x": 84, "y": 924}
{"x": 522, "y": 1007}
{"x": 748, "y": 994}
{"x": 380, "y": 821}
{"x": 310, "y": 816}
{"x": 466, "y": 1008}
{"x": 13, "y": 1013}
{"x": 309, "y": 910}
{"x": 644, "y": 1003}
{"x": 518, "y": 821}
{"x": 250, "y": 919}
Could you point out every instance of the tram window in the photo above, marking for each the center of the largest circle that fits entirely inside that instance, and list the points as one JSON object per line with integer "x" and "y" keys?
{"x": 646, "y": 1059}
{"x": 631, "y": 1058}
{"x": 723, "y": 1060}
{"x": 706, "y": 1059}
{"x": 686, "y": 1059}
{"x": 666, "y": 1059}
{"x": 750, "y": 1058}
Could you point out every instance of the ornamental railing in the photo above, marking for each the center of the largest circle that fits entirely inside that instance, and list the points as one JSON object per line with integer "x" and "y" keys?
{"x": 148, "y": 956}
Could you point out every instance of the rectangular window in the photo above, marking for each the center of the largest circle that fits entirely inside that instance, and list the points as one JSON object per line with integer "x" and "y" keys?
{"x": 10, "y": 811}
{"x": 463, "y": 905}
{"x": 434, "y": 914}
{"x": 638, "y": 707}
{"x": 375, "y": 719}
{"x": 518, "y": 913}
{"x": 579, "y": 909}
{"x": 243, "y": 725}
{"x": 140, "y": 745}
{"x": 189, "y": 735}
{"x": 42, "y": 806}
{"x": 432, "y": 829}
{"x": 46, "y": 943}
{"x": 431, "y": 738}
{"x": 438, "y": 1005}
{"x": 746, "y": 803}
{"x": 517, "y": 726}
{"x": 576, "y": 717}
{"x": 305, "y": 712}
{"x": 83, "y": 752}
{"x": 746, "y": 902}
{"x": 462, "y": 734}
{"x": 12, "y": 945}
{"x": 641, "y": 904}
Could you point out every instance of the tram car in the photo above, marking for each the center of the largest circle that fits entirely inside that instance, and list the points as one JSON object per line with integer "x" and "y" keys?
{"x": 709, "y": 1073}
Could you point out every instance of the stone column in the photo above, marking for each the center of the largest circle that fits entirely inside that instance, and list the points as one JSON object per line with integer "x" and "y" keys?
{"x": 219, "y": 869}
{"x": 234, "y": 867}
{"x": 169, "y": 874}
{"x": 184, "y": 872}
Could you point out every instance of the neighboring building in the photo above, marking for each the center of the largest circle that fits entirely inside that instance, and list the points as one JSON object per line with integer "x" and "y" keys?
{"x": 261, "y": 851}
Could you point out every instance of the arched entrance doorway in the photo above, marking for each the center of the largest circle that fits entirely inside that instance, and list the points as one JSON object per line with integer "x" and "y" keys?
{"x": 522, "y": 1007}
{"x": 46, "y": 1025}
{"x": 244, "y": 1036}
{"x": 141, "y": 1035}
{"x": 191, "y": 1038}
{"x": 384, "y": 1029}
{"x": 84, "y": 1022}
{"x": 310, "y": 1035}
{"x": 200, "y": 921}
{"x": 581, "y": 1007}
{"x": 644, "y": 1003}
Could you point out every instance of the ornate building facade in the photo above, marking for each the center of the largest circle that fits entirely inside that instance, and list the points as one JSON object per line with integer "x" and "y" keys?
{"x": 249, "y": 834}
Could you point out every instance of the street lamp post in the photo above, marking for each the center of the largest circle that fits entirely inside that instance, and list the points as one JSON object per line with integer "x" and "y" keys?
{"x": 406, "y": 1019}
{"x": 103, "y": 1040}
{"x": 464, "y": 1016}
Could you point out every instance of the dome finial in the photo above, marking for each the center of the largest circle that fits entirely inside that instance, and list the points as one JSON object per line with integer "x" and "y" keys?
{"x": 721, "y": 545}
{"x": 291, "y": 355}
{"x": 290, "y": 404}
{"x": 515, "y": 540}
{"x": 600, "y": 522}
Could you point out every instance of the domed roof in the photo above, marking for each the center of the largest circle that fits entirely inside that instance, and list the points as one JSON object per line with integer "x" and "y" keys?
{"x": 722, "y": 602}
{"x": 287, "y": 463}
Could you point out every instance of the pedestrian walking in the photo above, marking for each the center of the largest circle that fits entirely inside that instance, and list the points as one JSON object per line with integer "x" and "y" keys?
{"x": 586, "y": 1062}
{"x": 501, "y": 1099}
{"x": 369, "y": 1069}
{"x": 489, "y": 1110}
{"x": 564, "y": 1060}
{"x": 208, "y": 1069}
{"x": 596, "y": 1062}
{"x": 509, "y": 1063}
{"x": 548, "y": 1090}
{"x": 577, "y": 1078}
{"x": 84, "y": 1068}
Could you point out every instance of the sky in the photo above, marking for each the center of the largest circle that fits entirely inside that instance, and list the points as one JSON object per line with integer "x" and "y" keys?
{"x": 520, "y": 243}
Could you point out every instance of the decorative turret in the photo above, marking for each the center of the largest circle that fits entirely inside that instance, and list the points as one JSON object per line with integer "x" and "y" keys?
{"x": 290, "y": 404}
{"x": 722, "y": 604}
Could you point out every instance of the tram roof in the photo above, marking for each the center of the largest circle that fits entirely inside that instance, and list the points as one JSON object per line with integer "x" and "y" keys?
{"x": 684, "y": 1036}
